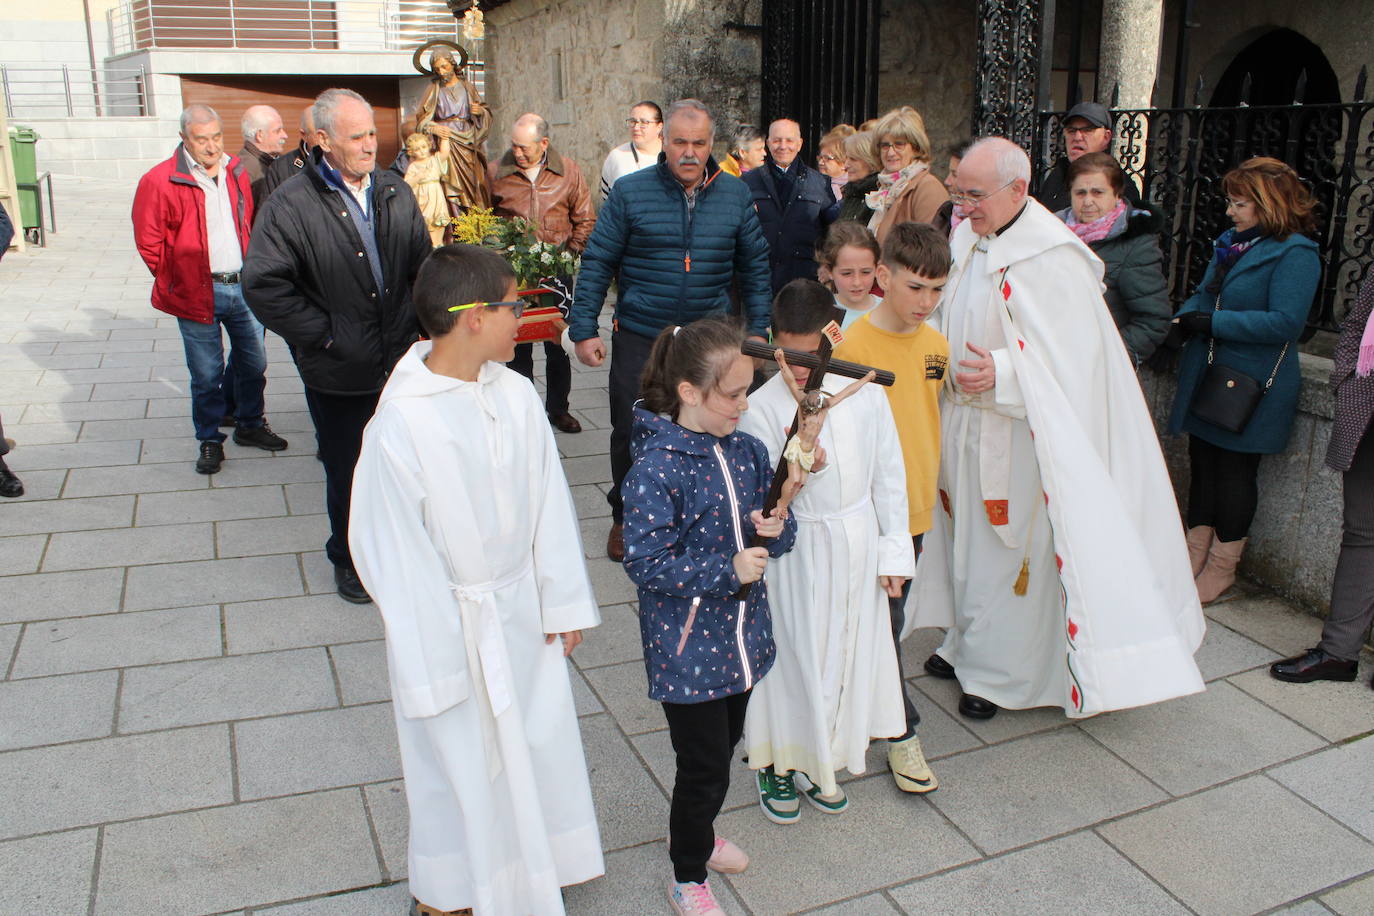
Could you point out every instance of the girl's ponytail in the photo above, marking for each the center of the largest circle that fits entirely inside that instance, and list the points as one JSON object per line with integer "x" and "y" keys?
{"x": 699, "y": 353}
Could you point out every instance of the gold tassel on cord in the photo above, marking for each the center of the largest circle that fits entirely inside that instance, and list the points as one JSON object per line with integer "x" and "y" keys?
{"x": 1023, "y": 579}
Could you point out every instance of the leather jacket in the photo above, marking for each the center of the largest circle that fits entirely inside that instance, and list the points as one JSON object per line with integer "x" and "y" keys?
{"x": 558, "y": 202}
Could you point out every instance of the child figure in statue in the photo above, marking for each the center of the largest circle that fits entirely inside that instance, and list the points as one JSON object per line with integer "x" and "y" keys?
{"x": 425, "y": 176}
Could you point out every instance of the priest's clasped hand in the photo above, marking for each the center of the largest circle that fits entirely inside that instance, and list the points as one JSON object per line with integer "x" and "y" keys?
{"x": 892, "y": 585}
{"x": 984, "y": 374}
{"x": 571, "y": 641}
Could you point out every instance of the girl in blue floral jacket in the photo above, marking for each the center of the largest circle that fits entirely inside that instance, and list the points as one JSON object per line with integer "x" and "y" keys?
{"x": 693, "y": 501}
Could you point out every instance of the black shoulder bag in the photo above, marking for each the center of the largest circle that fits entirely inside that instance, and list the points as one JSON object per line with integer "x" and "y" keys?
{"x": 1226, "y": 398}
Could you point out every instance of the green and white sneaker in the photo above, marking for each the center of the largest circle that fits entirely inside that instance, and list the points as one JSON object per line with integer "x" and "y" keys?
{"x": 778, "y": 797}
{"x": 830, "y": 804}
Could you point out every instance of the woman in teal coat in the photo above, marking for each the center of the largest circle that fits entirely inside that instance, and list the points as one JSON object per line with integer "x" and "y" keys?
{"x": 1252, "y": 306}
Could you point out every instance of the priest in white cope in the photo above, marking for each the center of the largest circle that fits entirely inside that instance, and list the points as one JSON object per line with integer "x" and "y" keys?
{"x": 1057, "y": 558}
{"x": 463, "y": 530}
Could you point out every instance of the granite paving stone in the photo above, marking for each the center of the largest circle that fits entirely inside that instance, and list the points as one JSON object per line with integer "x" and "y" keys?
{"x": 1006, "y": 725}
{"x": 92, "y": 782}
{"x": 76, "y": 412}
{"x": 123, "y": 391}
{"x": 128, "y": 546}
{"x": 47, "y": 874}
{"x": 1354, "y": 899}
{"x": 41, "y": 517}
{"x": 43, "y": 433}
{"x": 867, "y": 905}
{"x": 636, "y": 883}
{"x": 896, "y": 837}
{"x": 1165, "y": 741}
{"x": 590, "y": 502}
{"x": 137, "y": 478}
{"x": 207, "y": 861}
{"x": 21, "y": 554}
{"x": 152, "y": 428}
{"x": 583, "y": 699}
{"x": 1336, "y": 711}
{"x": 288, "y": 623}
{"x": 1302, "y": 908}
{"x": 1073, "y": 874}
{"x": 610, "y": 583}
{"x": 362, "y": 671}
{"x": 386, "y": 804}
{"x": 286, "y": 534}
{"x": 656, "y": 748}
{"x": 117, "y": 640}
{"x": 394, "y": 898}
{"x": 80, "y": 455}
{"x": 587, "y": 469}
{"x": 625, "y": 691}
{"x": 1002, "y": 801}
{"x": 9, "y": 638}
{"x": 1339, "y": 781}
{"x": 212, "y": 581}
{"x": 630, "y": 807}
{"x": 1269, "y": 622}
{"x": 1225, "y": 652}
{"x": 210, "y": 505}
{"x": 214, "y": 690}
{"x": 291, "y": 469}
{"x": 317, "y": 750}
{"x": 50, "y": 710}
{"x": 615, "y": 640}
{"x": 38, "y": 485}
{"x": 305, "y": 498}
{"x": 45, "y": 596}
{"x": 1240, "y": 848}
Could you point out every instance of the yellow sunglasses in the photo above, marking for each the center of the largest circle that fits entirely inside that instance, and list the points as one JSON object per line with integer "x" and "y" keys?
{"x": 516, "y": 305}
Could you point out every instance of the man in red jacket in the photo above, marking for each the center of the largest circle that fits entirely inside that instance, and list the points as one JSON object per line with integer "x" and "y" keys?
{"x": 191, "y": 219}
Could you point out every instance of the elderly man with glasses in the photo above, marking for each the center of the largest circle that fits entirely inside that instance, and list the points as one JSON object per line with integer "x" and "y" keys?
{"x": 1058, "y": 562}
{"x": 1087, "y": 129}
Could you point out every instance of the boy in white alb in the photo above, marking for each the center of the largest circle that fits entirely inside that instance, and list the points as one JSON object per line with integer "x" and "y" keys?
{"x": 836, "y": 681}
{"x": 463, "y": 530}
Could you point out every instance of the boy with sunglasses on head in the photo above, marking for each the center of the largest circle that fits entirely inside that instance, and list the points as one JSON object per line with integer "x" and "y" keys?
{"x": 461, "y": 526}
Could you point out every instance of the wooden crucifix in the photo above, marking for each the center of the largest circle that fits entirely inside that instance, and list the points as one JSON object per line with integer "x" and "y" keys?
{"x": 812, "y": 406}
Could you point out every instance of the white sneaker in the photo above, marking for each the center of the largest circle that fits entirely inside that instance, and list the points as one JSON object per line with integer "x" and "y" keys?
{"x": 691, "y": 899}
{"x": 909, "y": 768}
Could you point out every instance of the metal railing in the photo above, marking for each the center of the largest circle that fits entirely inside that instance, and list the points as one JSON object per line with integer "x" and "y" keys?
{"x": 1178, "y": 157}
{"x": 280, "y": 25}
{"x": 76, "y": 92}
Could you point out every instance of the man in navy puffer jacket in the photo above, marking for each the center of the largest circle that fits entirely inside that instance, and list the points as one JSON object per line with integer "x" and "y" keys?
{"x": 674, "y": 237}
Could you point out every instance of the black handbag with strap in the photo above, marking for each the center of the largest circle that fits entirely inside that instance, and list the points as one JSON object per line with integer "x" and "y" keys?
{"x": 1227, "y": 398}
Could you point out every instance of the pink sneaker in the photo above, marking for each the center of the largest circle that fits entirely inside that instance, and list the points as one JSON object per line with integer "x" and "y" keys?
{"x": 727, "y": 858}
{"x": 691, "y": 899}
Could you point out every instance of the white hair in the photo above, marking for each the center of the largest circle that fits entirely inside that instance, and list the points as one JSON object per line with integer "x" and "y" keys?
{"x": 541, "y": 127}
{"x": 327, "y": 105}
{"x": 255, "y": 120}
{"x": 686, "y": 105}
{"x": 197, "y": 113}
{"x": 1009, "y": 160}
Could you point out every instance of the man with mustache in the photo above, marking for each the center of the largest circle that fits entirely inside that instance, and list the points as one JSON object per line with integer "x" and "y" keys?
{"x": 675, "y": 237}
{"x": 1087, "y": 129}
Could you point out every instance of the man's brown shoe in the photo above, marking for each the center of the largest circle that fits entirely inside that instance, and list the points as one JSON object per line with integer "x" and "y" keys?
{"x": 565, "y": 422}
{"x": 615, "y": 543}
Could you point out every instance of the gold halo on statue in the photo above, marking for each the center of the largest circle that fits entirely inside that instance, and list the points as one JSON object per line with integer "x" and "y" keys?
{"x": 438, "y": 42}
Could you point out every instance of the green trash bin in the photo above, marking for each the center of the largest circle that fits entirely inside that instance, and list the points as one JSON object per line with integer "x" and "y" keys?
{"x": 23, "y": 144}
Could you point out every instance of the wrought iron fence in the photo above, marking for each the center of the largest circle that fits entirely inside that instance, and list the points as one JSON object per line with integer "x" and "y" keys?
{"x": 1178, "y": 157}
{"x": 75, "y": 92}
{"x": 281, "y": 25}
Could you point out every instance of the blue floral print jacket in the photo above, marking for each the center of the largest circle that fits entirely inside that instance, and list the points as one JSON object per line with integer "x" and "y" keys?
{"x": 688, "y": 497}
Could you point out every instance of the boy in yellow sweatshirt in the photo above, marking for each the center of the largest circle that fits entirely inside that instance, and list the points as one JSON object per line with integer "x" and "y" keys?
{"x": 894, "y": 335}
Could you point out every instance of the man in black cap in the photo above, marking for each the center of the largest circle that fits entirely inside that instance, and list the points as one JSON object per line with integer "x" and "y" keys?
{"x": 1087, "y": 129}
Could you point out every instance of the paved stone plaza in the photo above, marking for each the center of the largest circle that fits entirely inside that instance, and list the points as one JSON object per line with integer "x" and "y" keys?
{"x": 191, "y": 722}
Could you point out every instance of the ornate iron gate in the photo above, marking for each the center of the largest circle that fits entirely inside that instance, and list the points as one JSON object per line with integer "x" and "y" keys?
{"x": 820, "y": 63}
{"x": 1179, "y": 155}
{"x": 1011, "y": 78}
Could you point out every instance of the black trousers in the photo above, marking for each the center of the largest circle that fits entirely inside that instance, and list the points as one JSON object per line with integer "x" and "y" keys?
{"x": 1223, "y": 491}
{"x": 896, "y": 608}
{"x": 629, "y": 353}
{"x": 557, "y": 373}
{"x": 339, "y": 421}
{"x": 704, "y": 736}
{"x": 1352, "y": 591}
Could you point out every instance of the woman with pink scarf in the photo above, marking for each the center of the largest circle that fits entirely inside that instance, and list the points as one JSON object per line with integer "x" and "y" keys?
{"x": 1352, "y": 453}
{"x": 907, "y": 192}
{"x": 1126, "y": 238}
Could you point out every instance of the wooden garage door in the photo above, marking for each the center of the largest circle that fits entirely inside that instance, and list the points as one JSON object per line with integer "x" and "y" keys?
{"x": 290, "y": 95}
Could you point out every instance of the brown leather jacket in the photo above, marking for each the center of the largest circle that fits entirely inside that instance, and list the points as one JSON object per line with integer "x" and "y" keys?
{"x": 558, "y": 203}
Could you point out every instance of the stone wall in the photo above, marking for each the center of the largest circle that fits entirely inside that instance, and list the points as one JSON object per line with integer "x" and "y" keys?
{"x": 927, "y": 52}
{"x": 579, "y": 63}
{"x": 1297, "y": 531}
{"x": 703, "y": 59}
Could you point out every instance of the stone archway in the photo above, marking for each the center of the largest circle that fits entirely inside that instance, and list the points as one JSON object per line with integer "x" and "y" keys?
{"x": 1274, "y": 62}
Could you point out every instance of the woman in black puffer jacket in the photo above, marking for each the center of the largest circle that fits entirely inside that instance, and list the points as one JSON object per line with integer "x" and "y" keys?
{"x": 861, "y": 165}
{"x": 1126, "y": 238}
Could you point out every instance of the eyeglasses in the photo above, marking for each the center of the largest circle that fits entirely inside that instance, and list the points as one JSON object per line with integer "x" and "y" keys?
{"x": 894, "y": 144}
{"x": 636, "y": 122}
{"x": 826, "y": 157}
{"x": 1081, "y": 131}
{"x": 516, "y": 305}
{"x": 975, "y": 199}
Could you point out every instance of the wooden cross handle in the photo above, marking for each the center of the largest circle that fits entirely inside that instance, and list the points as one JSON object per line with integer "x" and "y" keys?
{"x": 811, "y": 361}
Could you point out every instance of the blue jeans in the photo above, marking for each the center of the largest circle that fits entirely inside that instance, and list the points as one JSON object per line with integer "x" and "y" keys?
{"x": 205, "y": 360}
